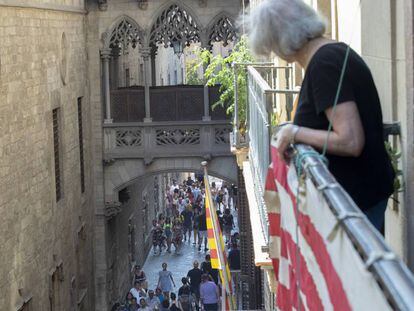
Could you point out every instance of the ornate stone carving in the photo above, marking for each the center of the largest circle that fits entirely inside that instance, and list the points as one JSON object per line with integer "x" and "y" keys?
{"x": 124, "y": 34}
{"x": 202, "y": 3}
{"x": 143, "y": 4}
{"x": 223, "y": 31}
{"x": 222, "y": 136}
{"x": 103, "y": 5}
{"x": 112, "y": 209}
{"x": 169, "y": 137}
{"x": 174, "y": 24}
{"x": 129, "y": 138}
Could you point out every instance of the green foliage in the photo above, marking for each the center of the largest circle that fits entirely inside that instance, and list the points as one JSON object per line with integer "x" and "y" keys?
{"x": 219, "y": 71}
{"x": 395, "y": 157}
{"x": 192, "y": 73}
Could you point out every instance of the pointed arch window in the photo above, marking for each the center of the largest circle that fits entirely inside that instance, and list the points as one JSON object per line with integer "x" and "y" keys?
{"x": 124, "y": 34}
{"x": 223, "y": 31}
{"x": 174, "y": 24}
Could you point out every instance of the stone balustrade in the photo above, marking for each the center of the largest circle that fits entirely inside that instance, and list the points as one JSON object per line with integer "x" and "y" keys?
{"x": 151, "y": 140}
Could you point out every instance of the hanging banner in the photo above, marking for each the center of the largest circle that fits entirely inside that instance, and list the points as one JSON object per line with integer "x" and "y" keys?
{"x": 315, "y": 262}
{"x": 217, "y": 248}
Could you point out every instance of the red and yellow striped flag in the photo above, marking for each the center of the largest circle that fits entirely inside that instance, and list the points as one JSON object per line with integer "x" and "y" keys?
{"x": 217, "y": 247}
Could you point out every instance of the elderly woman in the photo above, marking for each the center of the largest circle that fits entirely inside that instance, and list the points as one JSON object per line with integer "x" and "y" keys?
{"x": 355, "y": 147}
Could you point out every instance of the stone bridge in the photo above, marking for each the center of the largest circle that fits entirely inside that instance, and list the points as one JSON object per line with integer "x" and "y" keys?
{"x": 135, "y": 150}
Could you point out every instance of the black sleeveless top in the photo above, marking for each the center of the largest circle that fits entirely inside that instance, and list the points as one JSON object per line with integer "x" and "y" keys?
{"x": 368, "y": 179}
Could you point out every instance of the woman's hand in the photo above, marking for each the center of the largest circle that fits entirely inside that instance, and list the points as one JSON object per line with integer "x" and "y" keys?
{"x": 284, "y": 138}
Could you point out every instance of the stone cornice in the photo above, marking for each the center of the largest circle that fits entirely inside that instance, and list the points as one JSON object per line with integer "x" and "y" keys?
{"x": 26, "y": 4}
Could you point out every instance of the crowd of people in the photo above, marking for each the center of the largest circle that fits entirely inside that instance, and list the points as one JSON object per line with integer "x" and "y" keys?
{"x": 185, "y": 217}
{"x": 184, "y": 221}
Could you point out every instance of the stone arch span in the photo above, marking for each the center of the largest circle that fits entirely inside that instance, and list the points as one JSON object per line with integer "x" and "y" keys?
{"x": 123, "y": 173}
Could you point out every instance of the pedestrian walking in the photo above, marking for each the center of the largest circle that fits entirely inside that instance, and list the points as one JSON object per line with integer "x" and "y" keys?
{"x": 165, "y": 280}
{"x": 153, "y": 302}
{"x": 207, "y": 268}
{"x": 158, "y": 293}
{"x": 202, "y": 231}
{"x": 184, "y": 296}
{"x": 177, "y": 237}
{"x": 209, "y": 294}
{"x": 137, "y": 291}
{"x": 134, "y": 305}
{"x": 187, "y": 215}
{"x": 173, "y": 305}
{"x": 143, "y": 305}
{"x": 228, "y": 224}
{"x": 139, "y": 276}
{"x": 194, "y": 275}
{"x": 196, "y": 225}
{"x": 168, "y": 233}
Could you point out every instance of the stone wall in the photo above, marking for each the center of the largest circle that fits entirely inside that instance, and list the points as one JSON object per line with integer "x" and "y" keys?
{"x": 128, "y": 237}
{"x": 46, "y": 246}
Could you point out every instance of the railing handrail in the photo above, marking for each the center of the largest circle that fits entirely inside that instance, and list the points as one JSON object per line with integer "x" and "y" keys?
{"x": 394, "y": 277}
{"x": 166, "y": 123}
{"x": 259, "y": 79}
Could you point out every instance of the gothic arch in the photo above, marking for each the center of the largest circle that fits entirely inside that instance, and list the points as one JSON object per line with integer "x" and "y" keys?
{"x": 174, "y": 21}
{"x": 123, "y": 32}
{"x": 222, "y": 28}
{"x": 125, "y": 172}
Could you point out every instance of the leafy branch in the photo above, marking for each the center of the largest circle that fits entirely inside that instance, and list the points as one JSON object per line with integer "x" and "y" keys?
{"x": 219, "y": 71}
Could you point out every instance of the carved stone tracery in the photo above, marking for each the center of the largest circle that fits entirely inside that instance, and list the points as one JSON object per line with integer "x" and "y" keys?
{"x": 168, "y": 137}
{"x": 222, "y": 136}
{"x": 223, "y": 31}
{"x": 174, "y": 24}
{"x": 124, "y": 34}
{"x": 129, "y": 138}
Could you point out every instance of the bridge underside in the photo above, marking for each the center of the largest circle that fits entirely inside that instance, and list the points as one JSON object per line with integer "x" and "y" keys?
{"x": 122, "y": 173}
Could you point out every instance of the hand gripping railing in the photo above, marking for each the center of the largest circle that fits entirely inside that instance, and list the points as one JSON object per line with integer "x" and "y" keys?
{"x": 390, "y": 272}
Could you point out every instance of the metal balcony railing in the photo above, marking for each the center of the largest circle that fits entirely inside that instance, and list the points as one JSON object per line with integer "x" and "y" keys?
{"x": 265, "y": 104}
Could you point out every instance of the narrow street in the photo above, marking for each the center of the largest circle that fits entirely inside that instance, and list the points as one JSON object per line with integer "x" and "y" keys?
{"x": 178, "y": 264}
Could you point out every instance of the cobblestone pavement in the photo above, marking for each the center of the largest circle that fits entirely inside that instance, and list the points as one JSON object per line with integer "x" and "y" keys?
{"x": 178, "y": 264}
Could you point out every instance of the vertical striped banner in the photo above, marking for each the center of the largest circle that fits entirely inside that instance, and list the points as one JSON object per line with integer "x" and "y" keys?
{"x": 217, "y": 247}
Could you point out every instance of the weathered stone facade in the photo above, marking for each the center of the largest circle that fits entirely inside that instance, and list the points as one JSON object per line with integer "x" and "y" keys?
{"x": 46, "y": 246}
{"x": 68, "y": 253}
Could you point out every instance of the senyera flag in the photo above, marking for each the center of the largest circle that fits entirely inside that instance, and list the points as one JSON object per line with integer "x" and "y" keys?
{"x": 217, "y": 248}
{"x": 312, "y": 271}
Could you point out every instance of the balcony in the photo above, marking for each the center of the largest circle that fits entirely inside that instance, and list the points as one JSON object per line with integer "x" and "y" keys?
{"x": 267, "y": 106}
{"x": 166, "y": 103}
{"x": 163, "y": 139}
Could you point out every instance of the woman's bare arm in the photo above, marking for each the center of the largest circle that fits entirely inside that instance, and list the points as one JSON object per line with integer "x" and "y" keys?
{"x": 347, "y": 137}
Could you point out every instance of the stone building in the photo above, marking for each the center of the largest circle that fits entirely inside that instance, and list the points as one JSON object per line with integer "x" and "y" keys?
{"x": 46, "y": 188}
{"x": 75, "y": 219}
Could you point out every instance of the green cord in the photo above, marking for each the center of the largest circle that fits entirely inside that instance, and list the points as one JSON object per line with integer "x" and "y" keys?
{"x": 341, "y": 80}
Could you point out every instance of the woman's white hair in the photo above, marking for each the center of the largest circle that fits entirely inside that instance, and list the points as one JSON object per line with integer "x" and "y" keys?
{"x": 283, "y": 27}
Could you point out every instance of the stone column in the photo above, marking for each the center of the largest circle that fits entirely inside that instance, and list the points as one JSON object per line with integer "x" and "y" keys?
{"x": 206, "y": 116}
{"x": 115, "y": 68}
{"x": 204, "y": 40}
{"x": 146, "y": 53}
{"x": 105, "y": 56}
{"x": 153, "y": 68}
